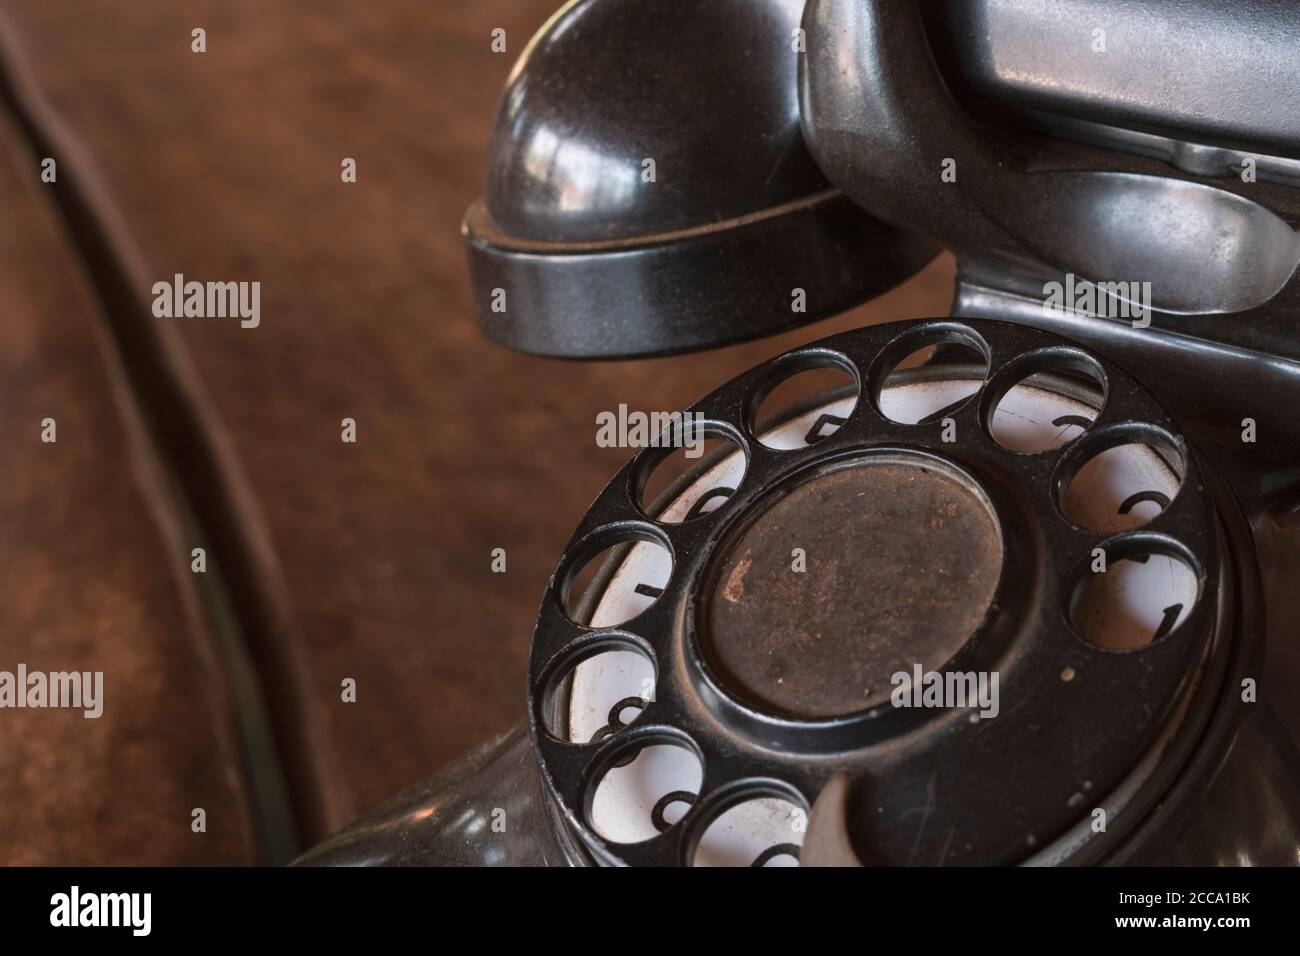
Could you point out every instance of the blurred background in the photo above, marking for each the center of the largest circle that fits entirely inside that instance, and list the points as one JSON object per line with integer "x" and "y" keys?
{"x": 324, "y": 561}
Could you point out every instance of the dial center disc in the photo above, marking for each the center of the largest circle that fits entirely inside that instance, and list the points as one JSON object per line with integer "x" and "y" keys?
{"x": 848, "y": 578}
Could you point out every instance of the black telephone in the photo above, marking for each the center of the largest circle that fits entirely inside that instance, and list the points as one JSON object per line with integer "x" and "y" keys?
{"x": 1020, "y": 588}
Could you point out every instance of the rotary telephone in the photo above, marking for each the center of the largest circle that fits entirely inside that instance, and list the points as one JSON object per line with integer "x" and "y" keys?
{"x": 1013, "y": 585}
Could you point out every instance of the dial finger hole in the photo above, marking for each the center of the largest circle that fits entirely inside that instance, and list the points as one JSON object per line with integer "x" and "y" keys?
{"x": 1143, "y": 593}
{"x": 762, "y": 830}
{"x": 639, "y": 799}
{"x": 690, "y": 474}
{"x": 615, "y": 578}
{"x": 599, "y": 690}
{"x": 1045, "y": 400}
{"x": 929, "y": 372}
{"x": 807, "y": 398}
{"x": 1123, "y": 480}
